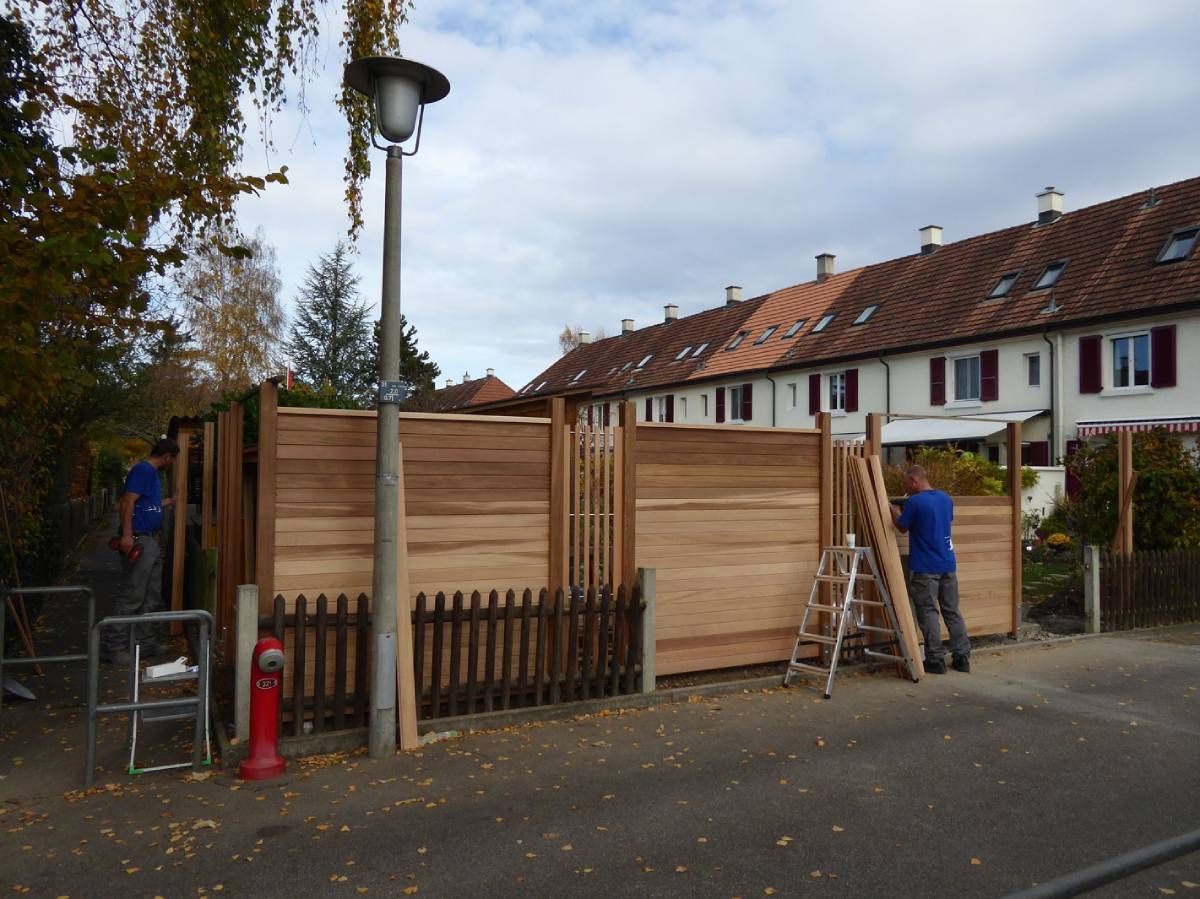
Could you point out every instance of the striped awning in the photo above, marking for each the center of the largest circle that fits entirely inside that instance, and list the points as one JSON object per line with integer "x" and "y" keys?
{"x": 1180, "y": 425}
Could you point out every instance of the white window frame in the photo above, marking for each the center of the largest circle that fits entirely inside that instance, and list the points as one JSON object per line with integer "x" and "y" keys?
{"x": 952, "y": 393}
{"x": 704, "y": 406}
{"x": 681, "y": 402}
{"x": 660, "y": 408}
{"x": 835, "y": 389}
{"x": 1031, "y": 360}
{"x": 793, "y": 394}
{"x": 731, "y": 404}
{"x": 1111, "y": 354}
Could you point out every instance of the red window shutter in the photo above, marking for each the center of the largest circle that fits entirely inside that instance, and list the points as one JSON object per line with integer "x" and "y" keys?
{"x": 852, "y": 390}
{"x": 814, "y": 394}
{"x": 1162, "y": 356}
{"x": 606, "y": 415}
{"x": 590, "y": 408}
{"x": 747, "y": 402}
{"x": 989, "y": 376}
{"x": 720, "y": 405}
{"x": 937, "y": 381}
{"x": 649, "y": 408}
{"x": 1090, "y": 379}
{"x": 1039, "y": 452}
{"x": 671, "y": 407}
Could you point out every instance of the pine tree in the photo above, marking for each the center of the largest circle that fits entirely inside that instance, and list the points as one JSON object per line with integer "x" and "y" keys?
{"x": 417, "y": 371}
{"x": 330, "y": 344}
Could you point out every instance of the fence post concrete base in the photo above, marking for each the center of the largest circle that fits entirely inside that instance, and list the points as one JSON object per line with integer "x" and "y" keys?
{"x": 648, "y": 579}
{"x": 247, "y": 636}
{"x": 1091, "y": 588}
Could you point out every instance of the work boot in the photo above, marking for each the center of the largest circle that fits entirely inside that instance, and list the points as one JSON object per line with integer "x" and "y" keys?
{"x": 961, "y": 663}
{"x": 935, "y": 666}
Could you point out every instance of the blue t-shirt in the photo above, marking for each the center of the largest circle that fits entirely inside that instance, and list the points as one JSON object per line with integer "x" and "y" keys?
{"x": 147, "y": 509}
{"x": 927, "y": 516}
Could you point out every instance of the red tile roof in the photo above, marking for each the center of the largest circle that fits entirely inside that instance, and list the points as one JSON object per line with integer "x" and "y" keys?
{"x": 471, "y": 393}
{"x": 924, "y": 300}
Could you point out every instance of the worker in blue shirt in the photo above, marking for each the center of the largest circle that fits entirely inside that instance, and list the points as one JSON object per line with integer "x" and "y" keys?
{"x": 933, "y": 581}
{"x": 140, "y": 511}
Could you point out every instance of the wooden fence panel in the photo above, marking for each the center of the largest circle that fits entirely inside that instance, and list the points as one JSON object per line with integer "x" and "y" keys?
{"x": 729, "y": 519}
{"x": 1149, "y": 588}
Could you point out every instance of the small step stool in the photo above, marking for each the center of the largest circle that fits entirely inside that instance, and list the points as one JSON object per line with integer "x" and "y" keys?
{"x": 845, "y": 569}
{"x": 140, "y": 679}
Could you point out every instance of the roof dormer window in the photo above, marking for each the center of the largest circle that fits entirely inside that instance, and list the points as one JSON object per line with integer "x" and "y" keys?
{"x": 1180, "y": 246}
{"x": 766, "y": 334}
{"x": 795, "y": 328}
{"x": 823, "y": 323}
{"x": 865, "y": 315}
{"x": 1050, "y": 275}
{"x": 736, "y": 342}
{"x": 1004, "y": 285}
{"x": 683, "y": 352}
{"x": 645, "y": 359}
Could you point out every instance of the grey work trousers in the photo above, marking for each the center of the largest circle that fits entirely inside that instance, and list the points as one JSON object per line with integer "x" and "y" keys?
{"x": 929, "y": 591}
{"x": 141, "y": 592}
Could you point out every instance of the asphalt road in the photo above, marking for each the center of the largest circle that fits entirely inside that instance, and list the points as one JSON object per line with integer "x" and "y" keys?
{"x": 1042, "y": 761}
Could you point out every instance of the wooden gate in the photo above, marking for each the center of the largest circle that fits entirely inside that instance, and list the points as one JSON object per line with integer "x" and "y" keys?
{"x": 595, "y": 499}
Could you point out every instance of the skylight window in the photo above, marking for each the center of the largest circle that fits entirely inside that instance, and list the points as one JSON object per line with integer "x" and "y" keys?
{"x": 766, "y": 334}
{"x": 1180, "y": 245}
{"x": 628, "y": 365}
{"x": 823, "y": 323}
{"x": 645, "y": 359}
{"x": 582, "y": 372}
{"x": 1004, "y": 285}
{"x": 737, "y": 341}
{"x": 683, "y": 352}
{"x": 1050, "y": 276}
{"x": 865, "y": 315}
{"x": 542, "y": 385}
{"x": 700, "y": 349}
{"x": 795, "y": 328}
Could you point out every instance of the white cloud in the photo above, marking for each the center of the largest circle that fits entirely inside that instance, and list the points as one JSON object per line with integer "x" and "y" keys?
{"x": 594, "y": 161}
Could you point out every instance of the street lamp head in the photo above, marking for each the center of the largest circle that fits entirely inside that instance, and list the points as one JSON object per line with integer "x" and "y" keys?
{"x": 398, "y": 88}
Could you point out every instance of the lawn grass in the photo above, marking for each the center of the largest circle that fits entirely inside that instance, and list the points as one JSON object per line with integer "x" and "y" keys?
{"x": 1041, "y": 580}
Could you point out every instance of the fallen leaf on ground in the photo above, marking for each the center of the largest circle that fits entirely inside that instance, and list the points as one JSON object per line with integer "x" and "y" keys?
{"x": 976, "y": 861}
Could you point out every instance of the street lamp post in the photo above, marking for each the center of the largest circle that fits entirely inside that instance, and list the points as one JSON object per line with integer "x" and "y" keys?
{"x": 398, "y": 90}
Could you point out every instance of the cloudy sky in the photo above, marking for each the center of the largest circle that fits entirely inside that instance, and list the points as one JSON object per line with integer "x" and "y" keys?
{"x": 595, "y": 161}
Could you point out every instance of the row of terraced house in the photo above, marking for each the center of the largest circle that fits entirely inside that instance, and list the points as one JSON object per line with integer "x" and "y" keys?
{"x": 1077, "y": 323}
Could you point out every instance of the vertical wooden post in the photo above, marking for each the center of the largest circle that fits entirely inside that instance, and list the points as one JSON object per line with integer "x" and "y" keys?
{"x": 222, "y": 522}
{"x": 559, "y": 499}
{"x": 1014, "y": 496}
{"x": 629, "y": 500}
{"x": 179, "y": 522}
{"x": 406, "y": 694}
{"x": 647, "y": 579}
{"x": 246, "y": 635}
{"x": 1124, "y": 486}
{"x": 825, "y": 513}
{"x": 206, "y": 485}
{"x": 268, "y": 444}
{"x": 874, "y": 441}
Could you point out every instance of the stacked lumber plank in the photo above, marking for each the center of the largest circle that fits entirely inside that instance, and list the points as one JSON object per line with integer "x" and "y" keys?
{"x": 876, "y": 529}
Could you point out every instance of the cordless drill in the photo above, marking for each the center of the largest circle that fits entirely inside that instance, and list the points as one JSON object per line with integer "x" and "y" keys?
{"x": 135, "y": 551}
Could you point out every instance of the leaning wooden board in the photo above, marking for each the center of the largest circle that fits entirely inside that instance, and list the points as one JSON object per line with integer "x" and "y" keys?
{"x": 882, "y": 538}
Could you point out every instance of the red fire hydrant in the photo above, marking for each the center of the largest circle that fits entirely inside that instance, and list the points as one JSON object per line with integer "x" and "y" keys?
{"x": 266, "y": 667}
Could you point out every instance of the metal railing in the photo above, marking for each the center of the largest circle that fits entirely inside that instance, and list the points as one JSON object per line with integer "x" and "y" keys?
{"x": 204, "y": 622}
{"x": 40, "y": 660}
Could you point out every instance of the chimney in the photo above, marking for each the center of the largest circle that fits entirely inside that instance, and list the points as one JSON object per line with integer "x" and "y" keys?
{"x": 931, "y": 239}
{"x": 449, "y": 382}
{"x": 733, "y": 294}
{"x": 585, "y": 337}
{"x": 1049, "y": 206}
{"x": 491, "y": 372}
{"x": 670, "y": 312}
{"x": 627, "y": 326}
{"x": 825, "y": 266}
{"x": 466, "y": 376}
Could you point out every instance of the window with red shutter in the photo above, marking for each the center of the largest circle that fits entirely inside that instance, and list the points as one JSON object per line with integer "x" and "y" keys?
{"x": 814, "y": 394}
{"x": 670, "y": 407}
{"x": 1090, "y": 378}
{"x": 1162, "y": 356}
{"x": 720, "y": 392}
{"x": 989, "y": 376}
{"x": 1039, "y": 452}
{"x": 937, "y": 381}
{"x": 852, "y": 390}
{"x": 649, "y": 408}
{"x": 747, "y": 402}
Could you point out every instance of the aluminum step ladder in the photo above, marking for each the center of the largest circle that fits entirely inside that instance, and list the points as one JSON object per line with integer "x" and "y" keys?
{"x": 846, "y": 569}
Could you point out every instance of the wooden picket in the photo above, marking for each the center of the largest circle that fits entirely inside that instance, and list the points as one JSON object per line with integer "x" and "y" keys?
{"x": 1149, "y": 588}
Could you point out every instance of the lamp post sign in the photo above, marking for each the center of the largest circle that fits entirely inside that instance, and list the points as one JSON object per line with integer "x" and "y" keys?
{"x": 399, "y": 90}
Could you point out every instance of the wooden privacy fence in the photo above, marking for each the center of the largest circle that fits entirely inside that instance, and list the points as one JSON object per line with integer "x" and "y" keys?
{"x": 1149, "y": 588}
{"x": 475, "y": 655}
{"x": 325, "y": 680}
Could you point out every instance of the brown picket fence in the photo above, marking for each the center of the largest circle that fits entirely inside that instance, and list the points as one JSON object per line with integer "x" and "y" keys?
{"x": 1149, "y": 588}
{"x": 534, "y": 651}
